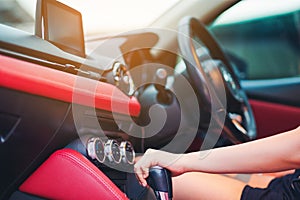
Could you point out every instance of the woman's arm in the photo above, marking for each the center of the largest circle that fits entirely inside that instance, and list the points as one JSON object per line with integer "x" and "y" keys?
{"x": 276, "y": 153}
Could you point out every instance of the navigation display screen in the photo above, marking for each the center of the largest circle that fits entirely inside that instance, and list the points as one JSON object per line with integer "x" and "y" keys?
{"x": 63, "y": 27}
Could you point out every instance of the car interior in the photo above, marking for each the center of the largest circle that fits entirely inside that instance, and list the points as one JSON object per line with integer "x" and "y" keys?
{"x": 75, "y": 111}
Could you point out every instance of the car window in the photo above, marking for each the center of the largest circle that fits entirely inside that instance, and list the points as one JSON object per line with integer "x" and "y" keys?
{"x": 262, "y": 39}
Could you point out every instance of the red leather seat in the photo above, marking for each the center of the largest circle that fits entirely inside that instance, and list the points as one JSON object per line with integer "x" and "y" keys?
{"x": 67, "y": 174}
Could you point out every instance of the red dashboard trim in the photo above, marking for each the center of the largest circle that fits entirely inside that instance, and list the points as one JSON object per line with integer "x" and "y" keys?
{"x": 67, "y": 174}
{"x": 43, "y": 81}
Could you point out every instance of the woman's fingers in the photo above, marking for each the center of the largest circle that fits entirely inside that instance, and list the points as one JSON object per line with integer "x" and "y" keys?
{"x": 142, "y": 165}
{"x": 156, "y": 158}
{"x": 142, "y": 172}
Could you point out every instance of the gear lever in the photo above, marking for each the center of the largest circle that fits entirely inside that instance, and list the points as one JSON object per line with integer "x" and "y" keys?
{"x": 160, "y": 181}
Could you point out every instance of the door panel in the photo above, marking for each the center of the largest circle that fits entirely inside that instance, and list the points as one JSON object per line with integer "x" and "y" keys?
{"x": 283, "y": 91}
{"x": 272, "y": 118}
{"x": 275, "y": 103}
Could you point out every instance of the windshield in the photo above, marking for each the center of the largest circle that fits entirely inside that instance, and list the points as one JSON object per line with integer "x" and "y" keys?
{"x": 255, "y": 9}
{"x": 101, "y": 16}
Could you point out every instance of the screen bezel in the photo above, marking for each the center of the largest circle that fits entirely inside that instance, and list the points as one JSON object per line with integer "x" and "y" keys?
{"x": 80, "y": 51}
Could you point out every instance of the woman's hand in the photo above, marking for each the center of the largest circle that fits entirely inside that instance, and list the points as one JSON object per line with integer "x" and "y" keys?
{"x": 152, "y": 158}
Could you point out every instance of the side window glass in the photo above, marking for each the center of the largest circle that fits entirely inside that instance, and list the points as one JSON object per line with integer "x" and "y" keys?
{"x": 264, "y": 44}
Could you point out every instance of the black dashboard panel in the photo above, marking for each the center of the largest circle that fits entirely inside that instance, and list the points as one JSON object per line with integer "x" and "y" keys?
{"x": 121, "y": 47}
{"x": 14, "y": 41}
{"x": 39, "y": 120}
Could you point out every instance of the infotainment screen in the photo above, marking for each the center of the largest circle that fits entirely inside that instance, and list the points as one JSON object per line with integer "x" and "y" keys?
{"x": 62, "y": 26}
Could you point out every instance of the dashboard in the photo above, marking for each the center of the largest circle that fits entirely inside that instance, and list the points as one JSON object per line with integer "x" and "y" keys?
{"x": 112, "y": 98}
{"x": 108, "y": 95}
{"x": 121, "y": 96}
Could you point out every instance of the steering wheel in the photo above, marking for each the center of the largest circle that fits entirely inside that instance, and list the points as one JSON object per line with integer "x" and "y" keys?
{"x": 215, "y": 81}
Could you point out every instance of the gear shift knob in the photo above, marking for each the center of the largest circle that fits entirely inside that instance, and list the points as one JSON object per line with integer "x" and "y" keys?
{"x": 160, "y": 181}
